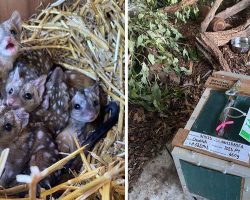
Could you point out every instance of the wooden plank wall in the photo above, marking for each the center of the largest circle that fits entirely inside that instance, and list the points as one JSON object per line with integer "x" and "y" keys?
{"x": 25, "y": 7}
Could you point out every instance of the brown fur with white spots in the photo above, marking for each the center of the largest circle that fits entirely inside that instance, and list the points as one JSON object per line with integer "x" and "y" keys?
{"x": 54, "y": 111}
{"x": 84, "y": 108}
{"x": 30, "y": 65}
{"x": 28, "y": 147}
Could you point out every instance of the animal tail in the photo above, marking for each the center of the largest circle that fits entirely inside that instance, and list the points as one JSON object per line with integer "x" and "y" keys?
{"x": 100, "y": 132}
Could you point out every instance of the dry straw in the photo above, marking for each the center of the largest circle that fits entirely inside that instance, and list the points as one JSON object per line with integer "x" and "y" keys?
{"x": 86, "y": 36}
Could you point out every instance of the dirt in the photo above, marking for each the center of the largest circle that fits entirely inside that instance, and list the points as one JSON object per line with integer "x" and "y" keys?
{"x": 150, "y": 132}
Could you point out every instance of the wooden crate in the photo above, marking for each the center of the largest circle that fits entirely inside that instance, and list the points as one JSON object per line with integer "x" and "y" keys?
{"x": 212, "y": 175}
{"x": 25, "y": 7}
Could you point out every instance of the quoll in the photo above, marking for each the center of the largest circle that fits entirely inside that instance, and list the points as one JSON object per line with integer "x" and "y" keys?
{"x": 84, "y": 108}
{"x": 30, "y": 146}
{"x": 29, "y": 66}
{"x": 54, "y": 110}
{"x": 10, "y": 31}
{"x": 27, "y": 95}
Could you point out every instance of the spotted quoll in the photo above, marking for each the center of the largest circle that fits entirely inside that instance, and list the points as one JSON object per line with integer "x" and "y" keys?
{"x": 54, "y": 110}
{"x": 84, "y": 108}
{"x": 10, "y": 31}
{"x": 29, "y": 146}
{"x": 29, "y": 67}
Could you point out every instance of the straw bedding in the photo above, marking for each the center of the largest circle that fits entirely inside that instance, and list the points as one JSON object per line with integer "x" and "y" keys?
{"x": 87, "y": 36}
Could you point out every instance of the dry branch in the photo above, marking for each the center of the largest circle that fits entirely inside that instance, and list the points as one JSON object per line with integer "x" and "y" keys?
{"x": 234, "y": 9}
{"x": 207, "y": 54}
{"x": 210, "y": 15}
{"x": 215, "y": 52}
{"x": 218, "y": 24}
{"x": 221, "y": 38}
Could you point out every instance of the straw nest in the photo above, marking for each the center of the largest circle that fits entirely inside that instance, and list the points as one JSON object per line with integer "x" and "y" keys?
{"x": 87, "y": 36}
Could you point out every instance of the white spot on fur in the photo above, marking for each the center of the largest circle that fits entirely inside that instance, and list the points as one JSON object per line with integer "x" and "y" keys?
{"x": 40, "y": 147}
{"x": 46, "y": 155}
{"x": 33, "y": 158}
{"x": 52, "y": 145}
{"x": 54, "y": 107}
{"x": 40, "y": 135}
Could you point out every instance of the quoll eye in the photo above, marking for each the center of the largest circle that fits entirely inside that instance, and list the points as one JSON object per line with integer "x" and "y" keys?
{"x": 28, "y": 96}
{"x": 95, "y": 103}
{"x": 8, "y": 127}
{"x": 13, "y": 32}
{"x": 77, "y": 107}
{"x": 11, "y": 91}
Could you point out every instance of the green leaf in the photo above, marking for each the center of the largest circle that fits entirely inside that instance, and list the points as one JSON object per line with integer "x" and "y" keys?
{"x": 156, "y": 91}
{"x": 139, "y": 41}
{"x": 185, "y": 54}
{"x": 140, "y": 16}
{"x": 175, "y": 61}
{"x": 151, "y": 58}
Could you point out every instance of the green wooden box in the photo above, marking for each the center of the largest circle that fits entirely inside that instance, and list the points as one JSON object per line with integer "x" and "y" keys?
{"x": 204, "y": 175}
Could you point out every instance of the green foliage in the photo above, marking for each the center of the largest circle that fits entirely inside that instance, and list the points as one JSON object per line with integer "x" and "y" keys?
{"x": 189, "y": 12}
{"x": 154, "y": 42}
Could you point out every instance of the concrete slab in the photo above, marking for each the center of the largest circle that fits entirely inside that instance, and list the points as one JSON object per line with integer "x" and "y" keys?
{"x": 158, "y": 181}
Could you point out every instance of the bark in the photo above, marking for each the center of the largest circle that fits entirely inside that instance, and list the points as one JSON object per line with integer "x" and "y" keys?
{"x": 218, "y": 24}
{"x": 213, "y": 51}
{"x": 221, "y": 38}
{"x": 210, "y": 15}
{"x": 234, "y": 9}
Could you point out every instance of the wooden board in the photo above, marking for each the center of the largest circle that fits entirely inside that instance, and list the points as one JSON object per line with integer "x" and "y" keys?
{"x": 181, "y": 136}
{"x": 223, "y": 85}
{"x": 25, "y": 7}
{"x": 231, "y": 76}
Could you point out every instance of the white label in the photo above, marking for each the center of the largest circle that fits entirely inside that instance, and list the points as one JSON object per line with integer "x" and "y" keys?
{"x": 245, "y": 130}
{"x": 222, "y": 147}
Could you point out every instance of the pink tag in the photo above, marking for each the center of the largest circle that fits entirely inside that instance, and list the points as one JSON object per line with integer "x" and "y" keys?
{"x": 223, "y": 125}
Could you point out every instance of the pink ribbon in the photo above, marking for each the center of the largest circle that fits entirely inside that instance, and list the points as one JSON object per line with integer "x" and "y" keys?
{"x": 223, "y": 125}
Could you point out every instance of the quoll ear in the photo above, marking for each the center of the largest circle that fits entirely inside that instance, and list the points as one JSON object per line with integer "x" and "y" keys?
{"x": 16, "y": 75}
{"x": 39, "y": 83}
{"x": 57, "y": 75}
{"x": 94, "y": 89}
{"x": 45, "y": 103}
{"x": 16, "y": 19}
{"x": 23, "y": 117}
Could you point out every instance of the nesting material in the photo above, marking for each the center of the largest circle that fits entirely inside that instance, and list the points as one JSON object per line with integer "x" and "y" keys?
{"x": 86, "y": 36}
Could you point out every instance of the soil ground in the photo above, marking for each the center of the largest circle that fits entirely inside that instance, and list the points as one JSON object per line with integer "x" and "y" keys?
{"x": 150, "y": 132}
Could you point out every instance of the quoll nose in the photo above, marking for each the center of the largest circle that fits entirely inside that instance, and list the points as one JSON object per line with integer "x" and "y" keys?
{"x": 10, "y": 102}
